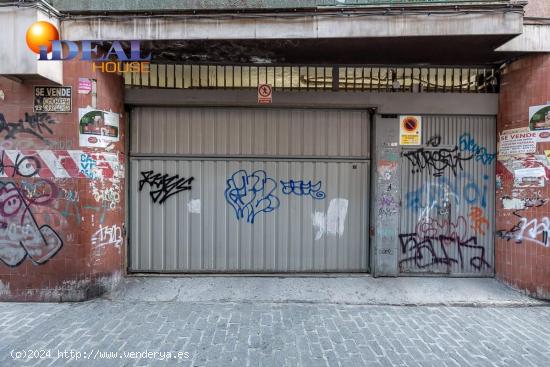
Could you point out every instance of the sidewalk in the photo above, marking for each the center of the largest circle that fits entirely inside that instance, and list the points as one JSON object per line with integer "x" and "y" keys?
{"x": 274, "y": 321}
{"x": 349, "y": 290}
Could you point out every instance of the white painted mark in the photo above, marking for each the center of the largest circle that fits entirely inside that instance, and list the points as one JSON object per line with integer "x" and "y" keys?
{"x": 333, "y": 222}
{"x": 194, "y": 206}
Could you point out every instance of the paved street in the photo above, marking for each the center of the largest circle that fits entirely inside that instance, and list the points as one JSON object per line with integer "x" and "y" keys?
{"x": 107, "y": 332}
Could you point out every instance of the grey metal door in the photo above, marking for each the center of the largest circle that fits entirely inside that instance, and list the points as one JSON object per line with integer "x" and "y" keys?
{"x": 248, "y": 190}
{"x": 447, "y": 219}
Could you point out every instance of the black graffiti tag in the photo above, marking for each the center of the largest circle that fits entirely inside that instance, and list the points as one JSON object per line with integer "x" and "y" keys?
{"x": 36, "y": 125}
{"x": 165, "y": 185}
{"x": 436, "y": 160}
{"x": 24, "y": 166}
{"x": 425, "y": 251}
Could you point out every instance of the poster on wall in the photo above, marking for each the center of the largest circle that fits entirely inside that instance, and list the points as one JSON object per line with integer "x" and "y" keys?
{"x": 97, "y": 128}
{"x": 539, "y": 117}
{"x": 517, "y": 143}
{"x": 52, "y": 99}
{"x": 410, "y": 130}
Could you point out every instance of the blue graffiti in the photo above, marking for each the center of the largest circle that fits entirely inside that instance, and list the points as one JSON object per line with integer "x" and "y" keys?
{"x": 302, "y": 188}
{"x": 87, "y": 165}
{"x": 251, "y": 194}
{"x": 434, "y": 194}
{"x": 468, "y": 144}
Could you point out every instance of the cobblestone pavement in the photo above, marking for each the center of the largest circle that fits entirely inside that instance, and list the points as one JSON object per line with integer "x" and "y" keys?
{"x": 271, "y": 334}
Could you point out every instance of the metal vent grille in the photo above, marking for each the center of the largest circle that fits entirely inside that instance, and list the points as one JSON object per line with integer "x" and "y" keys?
{"x": 446, "y": 79}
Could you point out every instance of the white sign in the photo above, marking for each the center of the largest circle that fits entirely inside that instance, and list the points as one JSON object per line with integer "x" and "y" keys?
{"x": 518, "y": 143}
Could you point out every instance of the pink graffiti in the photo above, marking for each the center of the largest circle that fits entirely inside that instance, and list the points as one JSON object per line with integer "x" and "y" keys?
{"x": 20, "y": 235}
{"x": 430, "y": 227}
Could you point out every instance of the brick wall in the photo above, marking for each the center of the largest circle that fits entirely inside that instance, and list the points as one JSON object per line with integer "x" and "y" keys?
{"x": 523, "y": 209}
{"x": 61, "y": 228}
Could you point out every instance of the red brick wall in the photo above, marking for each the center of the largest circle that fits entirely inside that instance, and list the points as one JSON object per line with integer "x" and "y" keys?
{"x": 538, "y": 9}
{"x": 75, "y": 250}
{"x": 523, "y": 249}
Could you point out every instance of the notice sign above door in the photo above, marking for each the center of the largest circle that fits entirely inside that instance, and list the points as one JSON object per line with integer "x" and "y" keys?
{"x": 410, "y": 130}
{"x": 52, "y": 99}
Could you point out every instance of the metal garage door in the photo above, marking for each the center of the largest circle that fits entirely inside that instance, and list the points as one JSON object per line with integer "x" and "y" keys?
{"x": 447, "y": 222}
{"x": 248, "y": 190}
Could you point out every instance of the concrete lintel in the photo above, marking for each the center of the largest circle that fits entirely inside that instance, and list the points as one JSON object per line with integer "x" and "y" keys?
{"x": 386, "y": 103}
{"x": 299, "y": 27}
{"x": 535, "y": 38}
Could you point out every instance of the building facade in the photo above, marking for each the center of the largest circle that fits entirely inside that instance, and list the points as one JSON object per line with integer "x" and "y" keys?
{"x": 393, "y": 138}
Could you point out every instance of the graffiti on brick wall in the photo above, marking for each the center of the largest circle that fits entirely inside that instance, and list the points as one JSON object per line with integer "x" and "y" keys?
{"x": 21, "y": 166}
{"x": 528, "y": 230}
{"x": 107, "y": 236}
{"x": 533, "y": 230}
{"x": 164, "y": 186}
{"x": 37, "y": 125}
{"x": 251, "y": 194}
{"x": 60, "y": 164}
{"x": 108, "y": 196}
{"x": 21, "y": 236}
{"x": 436, "y": 160}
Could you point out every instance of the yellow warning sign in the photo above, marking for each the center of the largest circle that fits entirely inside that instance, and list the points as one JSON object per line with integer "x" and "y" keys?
{"x": 410, "y": 130}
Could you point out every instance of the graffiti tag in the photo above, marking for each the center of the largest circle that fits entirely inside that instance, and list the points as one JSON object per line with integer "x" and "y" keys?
{"x": 165, "y": 185}
{"x": 436, "y": 161}
{"x": 35, "y": 125}
{"x": 468, "y": 144}
{"x": 302, "y": 188}
{"x": 426, "y": 251}
{"x": 251, "y": 194}
{"x": 24, "y": 166}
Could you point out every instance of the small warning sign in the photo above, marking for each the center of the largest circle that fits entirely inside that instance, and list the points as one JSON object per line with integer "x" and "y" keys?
{"x": 265, "y": 93}
{"x": 410, "y": 130}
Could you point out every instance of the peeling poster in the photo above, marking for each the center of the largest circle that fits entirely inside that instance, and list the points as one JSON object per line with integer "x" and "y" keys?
{"x": 97, "y": 128}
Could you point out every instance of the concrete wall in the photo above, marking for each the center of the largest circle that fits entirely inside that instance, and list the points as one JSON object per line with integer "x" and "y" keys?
{"x": 319, "y": 26}
{"x": 538, "y": 9}
{"x": 61, "y": 230}
{"x": 522, "y": 247}
{"x": 385, "y": 103}
{"x": 16, "y": 58}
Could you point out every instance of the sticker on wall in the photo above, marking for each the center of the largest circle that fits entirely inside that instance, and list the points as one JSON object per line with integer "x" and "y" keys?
{"x": 84, "y": 86}
{"x": 52, "y": 99}
{"x": 517, "y": 143}
{"x": 539, "y": 117}
{"x": 410, "y": 130}
{"x": 97, "y": 128}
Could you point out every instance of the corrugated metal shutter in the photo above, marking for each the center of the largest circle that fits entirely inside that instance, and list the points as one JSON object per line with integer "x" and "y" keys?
{"x": 447, "y": 220}
{"x": 258, "y": 190}
{"x": 239, "y": 132}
